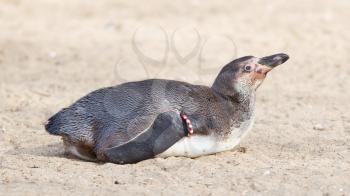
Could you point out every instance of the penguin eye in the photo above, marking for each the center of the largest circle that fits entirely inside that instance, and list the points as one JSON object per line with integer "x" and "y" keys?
{"x": 248, "y": 68}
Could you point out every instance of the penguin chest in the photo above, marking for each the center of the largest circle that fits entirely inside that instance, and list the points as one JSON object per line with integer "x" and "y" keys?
{"x": 236, "y": 135}
{"x": 198, "y": 145}
{"x": 193, "y": 146}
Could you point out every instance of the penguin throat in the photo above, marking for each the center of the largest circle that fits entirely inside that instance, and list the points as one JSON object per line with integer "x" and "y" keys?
{"x": 238, "y": 99}
{"x": 243, "y": 92}
{"x": 241, "y": 112}
{"x": 241, "y": 107}
{"x": 239, "y": 91}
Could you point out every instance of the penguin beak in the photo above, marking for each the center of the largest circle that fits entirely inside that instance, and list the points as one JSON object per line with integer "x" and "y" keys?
{"x": 273, "y": 60}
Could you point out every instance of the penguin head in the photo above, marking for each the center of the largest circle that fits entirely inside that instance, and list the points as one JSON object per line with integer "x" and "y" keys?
{"x": 244, "y": 75}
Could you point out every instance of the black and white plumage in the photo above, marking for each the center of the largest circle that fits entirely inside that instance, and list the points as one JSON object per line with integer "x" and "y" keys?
{"x": 135, "y": 121}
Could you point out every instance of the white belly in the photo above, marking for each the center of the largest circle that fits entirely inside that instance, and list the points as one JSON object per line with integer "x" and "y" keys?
{"x": 198, "y": 145}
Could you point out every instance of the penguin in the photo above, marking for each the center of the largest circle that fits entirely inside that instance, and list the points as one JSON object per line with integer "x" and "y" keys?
{"x": 135, "y": 121}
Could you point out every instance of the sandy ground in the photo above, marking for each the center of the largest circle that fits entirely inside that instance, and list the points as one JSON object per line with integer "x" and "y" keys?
{"x": 53, "y": 52}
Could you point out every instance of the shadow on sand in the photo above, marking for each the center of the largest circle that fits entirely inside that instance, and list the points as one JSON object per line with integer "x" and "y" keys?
{"x": 51, "y": 150}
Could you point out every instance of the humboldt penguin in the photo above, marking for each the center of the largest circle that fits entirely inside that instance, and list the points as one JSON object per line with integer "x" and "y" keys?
{"x": 140, "y": 120}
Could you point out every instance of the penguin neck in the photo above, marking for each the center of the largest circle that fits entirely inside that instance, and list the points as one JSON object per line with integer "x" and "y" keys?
{"x": 239, "y": 103}
{"x": 243, "y": 110}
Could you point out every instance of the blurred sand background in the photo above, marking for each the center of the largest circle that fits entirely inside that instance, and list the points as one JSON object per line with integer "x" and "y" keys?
{"x": 53, "y": 52}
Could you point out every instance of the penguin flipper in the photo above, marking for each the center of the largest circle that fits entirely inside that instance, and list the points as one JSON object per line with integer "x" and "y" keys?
{"x": 166, "y": 130}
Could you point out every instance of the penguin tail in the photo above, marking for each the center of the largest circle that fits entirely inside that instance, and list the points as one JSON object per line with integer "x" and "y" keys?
{"x": 72, "y": 122}
{"x": 56, "y": 123}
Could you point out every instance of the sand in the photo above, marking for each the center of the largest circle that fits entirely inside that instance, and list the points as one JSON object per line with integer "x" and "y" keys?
{"x": 53, "y": 52}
